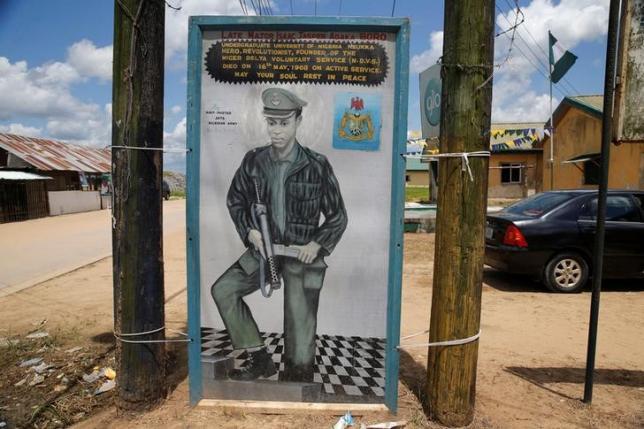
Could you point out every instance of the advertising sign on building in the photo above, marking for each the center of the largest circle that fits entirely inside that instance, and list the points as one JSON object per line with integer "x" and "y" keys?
{"x": 430, "y": 101}
{"x": 295, "y": 191}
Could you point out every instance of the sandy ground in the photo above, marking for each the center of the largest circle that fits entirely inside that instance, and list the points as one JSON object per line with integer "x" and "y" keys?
{"x": 532, "y": 349}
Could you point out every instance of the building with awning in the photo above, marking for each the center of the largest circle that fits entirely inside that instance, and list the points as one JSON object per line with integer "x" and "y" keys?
{"x": 515, "y": 152}
{"x": 72, "y": 167}
{"x": 576, "y": 149}
{"x": 40, "y": 177}
{"x": 23, "y": 196}
{"x": 514, "y": 160}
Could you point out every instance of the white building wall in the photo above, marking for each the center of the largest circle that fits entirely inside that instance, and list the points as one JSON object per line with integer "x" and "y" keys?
{"x": 63, "y": 202}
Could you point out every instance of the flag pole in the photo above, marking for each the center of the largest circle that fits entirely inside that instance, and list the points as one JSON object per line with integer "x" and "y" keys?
{"x": 598, "y": 251}
{"x": 552, "y": 124}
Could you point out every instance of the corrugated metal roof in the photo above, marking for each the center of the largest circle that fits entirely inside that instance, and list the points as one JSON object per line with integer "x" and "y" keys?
{"x": 21, "y": 175}
{"x": 591, "y": 104}
{"x": 515, "y": 125}
{"x": 594, "y": 101}
{"x": 53, "y": 155}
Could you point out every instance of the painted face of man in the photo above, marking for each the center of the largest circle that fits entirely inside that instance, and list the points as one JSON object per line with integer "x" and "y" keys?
{"x": 282, "y": 130}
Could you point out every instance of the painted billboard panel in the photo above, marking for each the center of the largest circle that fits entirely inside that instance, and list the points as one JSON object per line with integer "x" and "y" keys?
{"x": 293, "y": 189}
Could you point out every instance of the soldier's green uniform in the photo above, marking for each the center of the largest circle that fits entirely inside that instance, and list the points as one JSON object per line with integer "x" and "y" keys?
{"x": 298, "y": 189}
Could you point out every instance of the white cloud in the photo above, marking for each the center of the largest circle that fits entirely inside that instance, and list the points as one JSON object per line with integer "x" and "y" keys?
{"x": 176, "y": 23}
{"x": 20, "y": 129}
{"x": 56, "y": 74}
{"x": 175, "y": 139}
{"x": 92, "y": 127}
{"x": 428, "y": 57}
{"x": 90, "y": 61}
{"x": 571, "y": 21}
{"x": 175, "y": 109}
{"x": 42, "y": 91}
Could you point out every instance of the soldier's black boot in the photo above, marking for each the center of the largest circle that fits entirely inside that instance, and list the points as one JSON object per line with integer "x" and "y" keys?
{"x": 259, "y": 364}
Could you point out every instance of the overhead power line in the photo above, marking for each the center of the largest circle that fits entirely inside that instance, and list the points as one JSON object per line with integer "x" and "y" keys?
{"x": 242, "y": 3}
{"x": 268, "y": 7}
{"x": 257, "y": 12}
{"x": 545, "y": 74}
{"x": 568, "y": 86}
{"x": 536, "y": 67}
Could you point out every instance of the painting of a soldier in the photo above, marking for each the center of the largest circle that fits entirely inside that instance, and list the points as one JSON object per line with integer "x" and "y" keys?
{"x": 285, "y": 203}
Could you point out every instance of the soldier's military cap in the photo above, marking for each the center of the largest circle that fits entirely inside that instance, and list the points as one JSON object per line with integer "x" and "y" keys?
{"x": 281, "y": 103}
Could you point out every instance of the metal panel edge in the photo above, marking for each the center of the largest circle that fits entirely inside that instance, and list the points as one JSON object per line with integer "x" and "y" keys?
{"x": 321, "y": 22}
{"x": 193, "y": 134}
{"x": 392, "y": 357}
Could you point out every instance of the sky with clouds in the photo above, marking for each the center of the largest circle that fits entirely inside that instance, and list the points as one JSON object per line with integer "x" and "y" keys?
{"x": 55, "y": 59}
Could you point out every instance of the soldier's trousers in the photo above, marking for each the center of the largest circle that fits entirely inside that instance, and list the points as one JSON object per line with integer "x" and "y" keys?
{"x": 302, "y": 284}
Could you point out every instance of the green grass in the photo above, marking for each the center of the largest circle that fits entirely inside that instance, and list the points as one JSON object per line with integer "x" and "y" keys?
{"x": 416, "y": 193}
{"x": 178, "y": 193}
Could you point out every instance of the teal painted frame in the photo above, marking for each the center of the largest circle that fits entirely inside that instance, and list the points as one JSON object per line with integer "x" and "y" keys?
{"x": 399, "y": 26}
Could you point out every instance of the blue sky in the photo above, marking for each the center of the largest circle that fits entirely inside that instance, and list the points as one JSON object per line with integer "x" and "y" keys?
{"x": 55, "y": 59}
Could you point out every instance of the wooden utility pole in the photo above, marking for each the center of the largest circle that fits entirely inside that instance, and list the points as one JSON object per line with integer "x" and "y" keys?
{"x": 137, "y": 121}
{"x": 458, "y": 265}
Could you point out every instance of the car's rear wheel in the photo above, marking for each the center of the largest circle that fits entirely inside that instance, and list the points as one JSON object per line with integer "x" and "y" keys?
{"x": 566, "y": 272}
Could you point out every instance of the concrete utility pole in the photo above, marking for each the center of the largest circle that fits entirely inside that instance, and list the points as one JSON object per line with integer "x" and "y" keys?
{"x": 137, "y": 121}
{"x": 468, "y": 51}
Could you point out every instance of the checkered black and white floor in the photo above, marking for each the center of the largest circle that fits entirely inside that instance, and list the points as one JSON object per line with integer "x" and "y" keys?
{"x": 346, "y": 366}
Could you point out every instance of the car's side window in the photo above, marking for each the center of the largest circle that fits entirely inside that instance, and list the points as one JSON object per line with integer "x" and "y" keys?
{"x": 588, "y": 210}
{"x": 639, "y": 201}
{"x": 619, "y": 208}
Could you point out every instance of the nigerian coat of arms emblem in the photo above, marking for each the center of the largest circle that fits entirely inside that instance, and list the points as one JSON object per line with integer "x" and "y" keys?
{"x": 357, "y": 122}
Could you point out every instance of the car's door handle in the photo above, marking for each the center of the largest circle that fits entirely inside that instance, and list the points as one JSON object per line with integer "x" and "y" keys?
{"x": 586, "y": 225}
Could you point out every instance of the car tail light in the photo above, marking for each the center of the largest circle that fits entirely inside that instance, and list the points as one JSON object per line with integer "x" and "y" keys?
{"x": 514, "y": 237}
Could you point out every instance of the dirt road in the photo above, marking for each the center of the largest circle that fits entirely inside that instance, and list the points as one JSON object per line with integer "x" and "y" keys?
{"x": 530, "y": 372}
{"x": 37, "y": 250}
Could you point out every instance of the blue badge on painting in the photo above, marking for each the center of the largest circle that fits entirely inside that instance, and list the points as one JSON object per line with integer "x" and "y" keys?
{"x": 357, "y": 121}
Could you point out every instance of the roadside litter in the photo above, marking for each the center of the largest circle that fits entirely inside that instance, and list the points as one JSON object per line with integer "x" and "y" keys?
{"x": 90, "y": 378}
{"x": 344, "y": 421}
{"x": 347, "y": 420}
{"x": 106, "y": 375}
{"x": 37, "y": 380}
{"x": 387, "y": 425}
{"x": 41, "y": 368}
{"x": 37, "y": 335}
{"x": 6, "y": 342}
{"x": 105, "y": 387}
{"x": 109, "y": 373}
{"x": 31, "y": 362}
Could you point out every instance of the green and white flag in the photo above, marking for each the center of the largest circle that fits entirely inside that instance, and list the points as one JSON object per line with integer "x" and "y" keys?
{"x": 558, "y": 69}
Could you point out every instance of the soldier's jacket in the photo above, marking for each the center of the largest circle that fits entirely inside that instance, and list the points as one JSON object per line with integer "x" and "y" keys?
{"x": 311, "y": 190}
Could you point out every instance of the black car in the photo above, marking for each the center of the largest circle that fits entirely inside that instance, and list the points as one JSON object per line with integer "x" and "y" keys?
{"x": 551, "y": 236}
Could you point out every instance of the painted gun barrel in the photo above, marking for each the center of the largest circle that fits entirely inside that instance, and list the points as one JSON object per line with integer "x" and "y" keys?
{"x": 260, "y": 213}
